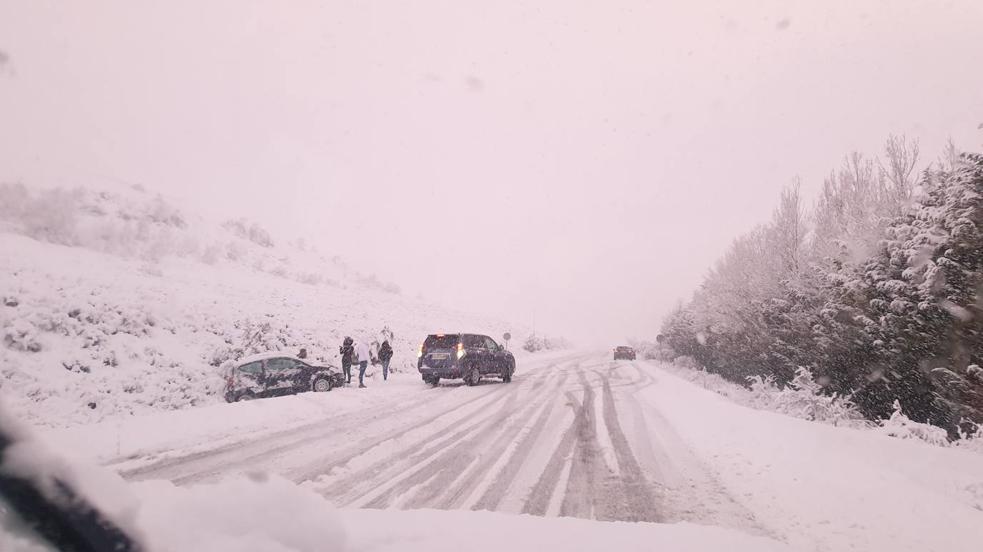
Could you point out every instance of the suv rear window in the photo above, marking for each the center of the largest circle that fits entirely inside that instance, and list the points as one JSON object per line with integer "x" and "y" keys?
{"x": 441, "y": 342}
{"x": 473, "y": 341}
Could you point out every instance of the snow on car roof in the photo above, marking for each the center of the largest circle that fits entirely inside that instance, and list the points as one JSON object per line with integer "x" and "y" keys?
{"x": 316, "y": 362}
{"x": 268, "y": 355}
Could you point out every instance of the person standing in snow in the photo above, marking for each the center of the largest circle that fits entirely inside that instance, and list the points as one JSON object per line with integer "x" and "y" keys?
{"x": 347, "y": 352}
{"x": 385, "y": 354}
{"x": 362, "y": 352}
{"x": 302, "y": 354}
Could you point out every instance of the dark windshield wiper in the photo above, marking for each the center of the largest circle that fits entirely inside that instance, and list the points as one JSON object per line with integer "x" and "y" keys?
{"x": 66, "y": 521}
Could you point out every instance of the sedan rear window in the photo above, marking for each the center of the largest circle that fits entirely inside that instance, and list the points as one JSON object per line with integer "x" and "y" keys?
{"x": 253, "y": 368}
{"x": 441, "y": 342}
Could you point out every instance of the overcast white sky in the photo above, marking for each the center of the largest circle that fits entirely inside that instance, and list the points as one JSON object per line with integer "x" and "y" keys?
{"x": 574, "y": 165}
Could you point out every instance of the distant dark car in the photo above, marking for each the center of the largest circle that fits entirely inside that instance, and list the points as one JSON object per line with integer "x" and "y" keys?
{"x": 466, "y": 356}
{"x": 270, "y": 375}
{"x": 622, "y": 352}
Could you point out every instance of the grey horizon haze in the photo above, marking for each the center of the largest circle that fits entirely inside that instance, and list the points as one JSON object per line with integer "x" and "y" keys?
{"x": 575, "y": 166}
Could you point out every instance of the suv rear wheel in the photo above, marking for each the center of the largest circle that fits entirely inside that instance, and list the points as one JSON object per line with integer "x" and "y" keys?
{"x": 432, "y": 380}
{"x": 472, "y": 376}
{"x": 507, "y": 374}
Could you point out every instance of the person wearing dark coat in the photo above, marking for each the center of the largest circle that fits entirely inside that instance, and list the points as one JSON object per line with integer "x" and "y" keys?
{"x": 385, "y": 355}
{"x": 347, "y": 351}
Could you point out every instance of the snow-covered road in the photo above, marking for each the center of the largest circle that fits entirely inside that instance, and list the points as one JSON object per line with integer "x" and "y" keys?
{"x": 564, "y": 438}
{"x": 574, "y": 435}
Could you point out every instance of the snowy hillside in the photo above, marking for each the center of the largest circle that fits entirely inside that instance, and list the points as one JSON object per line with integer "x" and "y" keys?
{"x": 118, "y": 303}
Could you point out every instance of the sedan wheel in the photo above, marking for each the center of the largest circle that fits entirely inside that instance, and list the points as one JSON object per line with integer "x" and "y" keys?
{"x": 322, "y": 385}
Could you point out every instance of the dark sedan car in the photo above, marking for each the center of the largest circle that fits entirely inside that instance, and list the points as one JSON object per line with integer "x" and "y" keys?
{"x": 269, "y": 375}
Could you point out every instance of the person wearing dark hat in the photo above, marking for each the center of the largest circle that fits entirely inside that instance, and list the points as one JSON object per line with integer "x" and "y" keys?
{"x": 347, "y": 352}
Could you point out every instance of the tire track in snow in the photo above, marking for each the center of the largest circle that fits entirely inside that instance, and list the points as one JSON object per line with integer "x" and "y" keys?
{"x": 581, "y": 490}
{"x": 429, "y": 444}
{"x": 377, "y": 468}
{"x": 639, "y": 498}
{"x": 421, "y": 488}
{"x": 365, "y": 482}
{"x": 538, "y": 500}
{"x": 282, "y": 439}
{"x": 252, "y": 454}
{"x": 592, "y": 489}
{"x": 488, "y": 460}
{"x": 497, "y": 490}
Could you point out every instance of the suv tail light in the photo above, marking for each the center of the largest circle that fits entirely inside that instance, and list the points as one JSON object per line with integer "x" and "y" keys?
{"x": 460, "y": 350}
{"x": 420, "y": 352}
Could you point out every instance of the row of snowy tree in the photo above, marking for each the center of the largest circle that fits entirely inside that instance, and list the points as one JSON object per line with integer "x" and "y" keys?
{"x": 877, "y": 289}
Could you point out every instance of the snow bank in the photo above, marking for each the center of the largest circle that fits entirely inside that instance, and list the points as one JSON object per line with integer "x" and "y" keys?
{"x": 828, "y": 488}
{"x": 454, "y": 531}
{"x": 803, "y": 399}
{"x": 256, "y": 514}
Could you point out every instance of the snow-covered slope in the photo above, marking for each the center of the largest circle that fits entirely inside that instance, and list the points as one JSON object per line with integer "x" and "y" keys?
{"x": 118, "y": 303}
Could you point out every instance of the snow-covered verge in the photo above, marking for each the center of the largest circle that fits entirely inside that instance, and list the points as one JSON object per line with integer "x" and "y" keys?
{"x": 821, "y": 487}
{"x": 803, "y": 398}
{"x": 130, "y": 305}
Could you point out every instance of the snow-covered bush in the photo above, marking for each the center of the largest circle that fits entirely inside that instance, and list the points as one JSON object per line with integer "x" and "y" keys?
{"x": 21, "y": 335}
{"x": 801, "y": 398}
{"x": 309, "y": 278}
{"x": 250, "y": 231}
{"x": 50, "y": 216}
{"x": 804, "y": 398}
{"x": 970, "y": 436}
{"x": 902, "y": 427}
{"x": 535, "y": 343}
